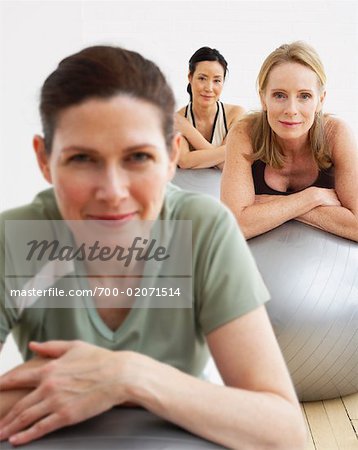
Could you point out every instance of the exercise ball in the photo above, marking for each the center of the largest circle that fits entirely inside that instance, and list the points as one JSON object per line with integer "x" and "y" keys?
{"x": 312, "y": 277}
{"x": 206, "y": 181}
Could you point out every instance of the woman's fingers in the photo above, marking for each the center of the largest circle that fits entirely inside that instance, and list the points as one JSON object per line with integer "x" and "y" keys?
{"x": 52, "y": 349}
{"x": 57, "y": 417}
{"x": 39, "y": 429}
{"x": 28, "y": 423}
{"x": 25, "y": 412}
{"x": 20, "y": 379}
{"x": 328, "y": 197}
{"x": 81, "y": 383}
{"x": 25, "y": 375}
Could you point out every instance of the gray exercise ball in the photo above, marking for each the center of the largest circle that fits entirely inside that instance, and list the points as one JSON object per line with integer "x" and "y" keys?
{"x": 205, "y": 181}
{"x": 312, "y": 277}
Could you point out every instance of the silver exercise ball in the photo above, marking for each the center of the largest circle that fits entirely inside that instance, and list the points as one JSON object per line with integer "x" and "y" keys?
{"x": 205, "y": 181}
{"x": 313, "y": 280}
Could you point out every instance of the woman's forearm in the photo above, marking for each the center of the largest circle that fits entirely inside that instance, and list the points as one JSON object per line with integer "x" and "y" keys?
{"x": 336, "y": 220}
{"x": 228, "y": 416}
{"x": 85, "y": 380}
{"x": 198, "y": 141}
{"x": 201, "y": 159}
{"x": 263, "y": 216}
{"x": 194, "y": 137}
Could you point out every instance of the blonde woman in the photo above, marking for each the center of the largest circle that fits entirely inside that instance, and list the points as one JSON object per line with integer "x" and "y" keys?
{"x": 205, "y": 121}
{"x": 290, "y": 161}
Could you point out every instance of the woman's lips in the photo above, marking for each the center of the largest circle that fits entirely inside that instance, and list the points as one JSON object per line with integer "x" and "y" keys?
{"x": 289, "y": 124}
{"x": 112, "y": 218}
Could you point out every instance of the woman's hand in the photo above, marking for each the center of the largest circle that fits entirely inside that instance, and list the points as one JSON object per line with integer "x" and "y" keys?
{"x": 9, "y": 397}
{"x": 191, "y": 134}
{"x": 326, "y": 197}
{"x": 83, "y": 381}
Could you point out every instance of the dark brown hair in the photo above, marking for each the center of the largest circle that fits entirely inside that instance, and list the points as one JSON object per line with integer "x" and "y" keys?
{"x": 102, "y": 72}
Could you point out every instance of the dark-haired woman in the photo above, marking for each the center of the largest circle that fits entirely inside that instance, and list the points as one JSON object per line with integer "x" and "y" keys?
{"x": 109, "y": 151}
{"x": 205, "y": 121}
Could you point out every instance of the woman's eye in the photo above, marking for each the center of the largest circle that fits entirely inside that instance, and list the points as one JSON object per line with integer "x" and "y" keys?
{"x": 305, "y": 96}
{"x": 80, "y": 158}
{"x": 140, "y": 157}
{"x": 279, "y": 95}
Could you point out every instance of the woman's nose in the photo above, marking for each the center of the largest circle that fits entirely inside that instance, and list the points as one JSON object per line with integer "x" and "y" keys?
{"x": 208, "y": 85}
{"x": 291, "y": 107}
{"x": 113, "y": 185}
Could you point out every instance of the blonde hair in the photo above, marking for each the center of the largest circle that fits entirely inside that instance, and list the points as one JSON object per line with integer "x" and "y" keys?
{"x": 264, "y": 142}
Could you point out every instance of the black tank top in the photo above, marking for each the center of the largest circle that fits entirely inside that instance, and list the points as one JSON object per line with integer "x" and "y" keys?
{"x": 325, "y": 179}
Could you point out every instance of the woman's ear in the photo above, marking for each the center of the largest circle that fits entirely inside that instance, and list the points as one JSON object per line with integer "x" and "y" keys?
{"x": 321, "y": 101}
{"x": 42, "y": 157}
{"x": 263, "y": 102}
{"x": 190, "y": 77}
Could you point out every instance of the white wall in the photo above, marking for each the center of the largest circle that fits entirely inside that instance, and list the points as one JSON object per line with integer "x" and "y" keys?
{"x": 35, "y": 35}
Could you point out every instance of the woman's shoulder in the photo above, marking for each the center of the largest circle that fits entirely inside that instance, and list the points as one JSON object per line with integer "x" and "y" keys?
{"x": 43, "y": 207}
{"x": 334, "y": 125}
{"x": 233, "y": 109}
{"x": 181, "y": 204}
{"x": 243, "y": 127}
{"x": 182, "y": 110}
{"x": 233, "y": 112}
{"x": 209, "y": 219}
{"x": 338, "y": 134}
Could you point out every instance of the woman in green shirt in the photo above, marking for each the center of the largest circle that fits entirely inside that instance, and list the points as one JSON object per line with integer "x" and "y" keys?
{"x": 109, "y": 151}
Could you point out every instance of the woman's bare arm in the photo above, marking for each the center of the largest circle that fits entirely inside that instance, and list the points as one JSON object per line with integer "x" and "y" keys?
{"x": 199, "y": 159}
{"x": 257, "y": 390}
{"x": 341, "y": 220}
{"x": 191, "y": 136}
{"x": 234, "y": 114}
{"x": 87, "y": 380}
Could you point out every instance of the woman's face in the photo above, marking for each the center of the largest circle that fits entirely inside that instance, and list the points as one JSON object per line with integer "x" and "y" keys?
{"x": 291, "y": 99}
{"x": 207, "y": 82}
{"x": 109, "y": 161}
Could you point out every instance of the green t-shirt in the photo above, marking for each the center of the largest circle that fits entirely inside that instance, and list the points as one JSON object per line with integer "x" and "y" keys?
{"x": 225, "y": 285}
